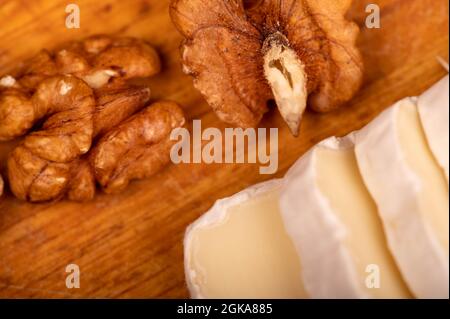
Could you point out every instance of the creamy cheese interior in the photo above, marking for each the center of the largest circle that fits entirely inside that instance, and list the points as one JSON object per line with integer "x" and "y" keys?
{"x": 247, "y": 255}
{"x": 341, "y": 183}
{"x": 433, "y": 196}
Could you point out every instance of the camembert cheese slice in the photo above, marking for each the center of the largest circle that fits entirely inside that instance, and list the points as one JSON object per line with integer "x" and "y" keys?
{"x": 434, "y": 114}
{"x": 335, "y": 226}
{"x": 412, "y": 196}
{"x": 240, "y": 249}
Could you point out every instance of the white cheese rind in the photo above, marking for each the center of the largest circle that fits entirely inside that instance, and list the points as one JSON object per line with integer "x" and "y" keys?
{"x": 433, "y": 108}
{"x": 317, "y": 233}
{"x": 395, "y": 188}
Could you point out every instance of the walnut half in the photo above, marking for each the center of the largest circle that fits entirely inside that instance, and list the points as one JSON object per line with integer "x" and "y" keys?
{"x": 242, "y": 54}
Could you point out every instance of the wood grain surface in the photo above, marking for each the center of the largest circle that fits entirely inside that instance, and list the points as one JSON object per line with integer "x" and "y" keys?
{"x": 131, "y": 244}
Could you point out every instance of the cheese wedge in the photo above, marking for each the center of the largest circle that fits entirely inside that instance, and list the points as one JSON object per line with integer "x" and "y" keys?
{"x": 240, "y": 249}
{"x": 434, "y": 114}
{"x": 412, "y": 196}
{"x": 335, "y": 227}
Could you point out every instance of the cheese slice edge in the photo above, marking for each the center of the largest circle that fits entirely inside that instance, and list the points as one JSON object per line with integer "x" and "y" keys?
{"x": 335, "y": 226}
{"x": 433, "y": 108}
{"x": 411, "y": 195}
{"x": 240, "y": 249}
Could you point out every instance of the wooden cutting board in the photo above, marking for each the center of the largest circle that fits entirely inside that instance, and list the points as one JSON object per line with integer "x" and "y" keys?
{"x": 131, "y": 244}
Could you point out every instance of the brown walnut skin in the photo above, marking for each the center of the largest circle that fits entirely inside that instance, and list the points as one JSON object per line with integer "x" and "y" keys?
{"x": 101, "y": 61}
{"x": 125, "y": 57}
{"x": 137, "y": 148}
{"x": 67, "y": 105}
{"x": 226, "y": 43}
{"x": 82, "y": 182}
{"x": 79, "y": 92}
{"x": 38, "y": 179}
{"x": 114, "y": 106}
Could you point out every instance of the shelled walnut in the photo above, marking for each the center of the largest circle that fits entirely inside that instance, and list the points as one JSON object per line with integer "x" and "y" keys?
{"x": 136, "y": 149}
{"x": 242, "y": 54}
{"x": 64, "y": 102}
{"x": 99, "y": 61}
{"x": 40, "y": 178}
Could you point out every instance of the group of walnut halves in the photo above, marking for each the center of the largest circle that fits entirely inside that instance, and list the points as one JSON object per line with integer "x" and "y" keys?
{"x": 84, "y": 120}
